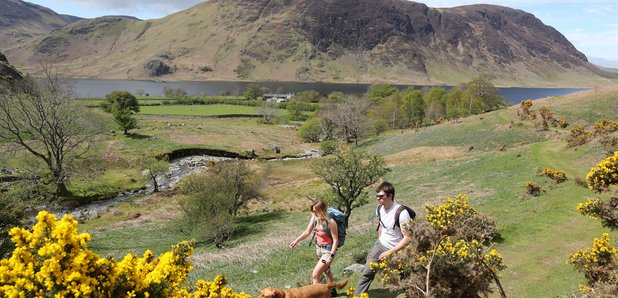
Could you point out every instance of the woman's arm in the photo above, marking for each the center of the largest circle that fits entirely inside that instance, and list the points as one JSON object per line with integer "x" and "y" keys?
{"x": 305, "y": 233}
{"x": 334, "y": 233}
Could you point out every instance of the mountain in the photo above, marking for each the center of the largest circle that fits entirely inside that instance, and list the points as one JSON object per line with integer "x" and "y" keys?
{"x": 21, "y": 22}
{"x": 317, "y": 40}
{"x": 8, "y": 73}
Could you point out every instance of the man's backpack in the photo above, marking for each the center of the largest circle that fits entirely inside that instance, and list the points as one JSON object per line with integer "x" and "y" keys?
{"x": 339, "y": 218}
{"x": 401, "y": 208}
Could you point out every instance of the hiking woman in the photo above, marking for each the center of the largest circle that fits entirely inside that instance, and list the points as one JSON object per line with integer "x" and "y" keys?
{"x": 327, "y": 240}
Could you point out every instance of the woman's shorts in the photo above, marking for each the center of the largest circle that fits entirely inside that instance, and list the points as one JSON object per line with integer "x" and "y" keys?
{"x": 323, "y": 251}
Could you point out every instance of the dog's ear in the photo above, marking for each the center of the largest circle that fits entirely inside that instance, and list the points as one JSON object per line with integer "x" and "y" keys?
{"x": 279, "y": 293}
{"x": 267, "y": 293}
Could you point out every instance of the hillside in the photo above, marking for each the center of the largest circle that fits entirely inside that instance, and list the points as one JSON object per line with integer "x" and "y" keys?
{"x": 21, "y": 22}
{"x": 7, "y": 71}
{"x": 318, "y": 40}
{"x": 490, "y": 157}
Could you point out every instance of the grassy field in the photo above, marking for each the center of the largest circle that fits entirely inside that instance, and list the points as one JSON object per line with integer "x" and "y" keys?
{"x": 490, "y": 157}
{"x": 198, "y": 110}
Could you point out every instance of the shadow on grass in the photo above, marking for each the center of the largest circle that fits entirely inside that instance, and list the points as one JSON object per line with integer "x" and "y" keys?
{"x": 137, "y": 136}
{"x": 255, "y": 223}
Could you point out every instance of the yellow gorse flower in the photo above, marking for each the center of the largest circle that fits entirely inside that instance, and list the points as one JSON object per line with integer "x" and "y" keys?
{"x": 54, "y": 260}
{"x": 441, "y": 216}
{"x": 604, "y": 174}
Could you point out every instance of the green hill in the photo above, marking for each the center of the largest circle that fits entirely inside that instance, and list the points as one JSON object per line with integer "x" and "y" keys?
{"x": 490, "y": 157}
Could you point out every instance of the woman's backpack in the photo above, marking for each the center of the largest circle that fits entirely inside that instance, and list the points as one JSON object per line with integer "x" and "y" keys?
{"x": 339, "y": 218}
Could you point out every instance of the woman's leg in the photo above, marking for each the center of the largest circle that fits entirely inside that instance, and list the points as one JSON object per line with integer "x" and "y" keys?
{"x": 318, "y": 270}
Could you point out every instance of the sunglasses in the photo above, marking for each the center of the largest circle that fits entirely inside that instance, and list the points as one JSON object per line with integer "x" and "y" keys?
{"x": 380, "y": 197}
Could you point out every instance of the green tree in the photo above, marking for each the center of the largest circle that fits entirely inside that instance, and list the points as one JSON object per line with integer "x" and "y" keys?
{"x": 455, "y": 103}
{"x": 413, "y": 106}
{"x": 122, "y": 105}
{"x": 308, "y": 96}
{"x": 155, "y": 167}
{"x": 254, "y": 91}
{"x": 482, "y": 89}
{"x": 121, "y": 100}
{"x": 214, "y": 198}
{"x": 435, "y": 105}
{"x": 348, "y": 173}
{"x": 310, "y": 130}
{"x": 295, "y": 108}
{"x": 41, "y": 118}
{"x": 379, "y": 92}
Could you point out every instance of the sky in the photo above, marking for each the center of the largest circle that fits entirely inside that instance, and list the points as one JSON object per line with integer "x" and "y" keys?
{"x": 590, "y": 25}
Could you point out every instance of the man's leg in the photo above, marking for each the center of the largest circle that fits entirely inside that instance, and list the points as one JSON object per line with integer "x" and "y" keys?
{"x": 367, "y": 276}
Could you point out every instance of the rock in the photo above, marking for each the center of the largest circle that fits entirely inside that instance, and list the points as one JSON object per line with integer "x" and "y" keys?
{"x": 157, "y": 67}
{"x": 354, "y": 268}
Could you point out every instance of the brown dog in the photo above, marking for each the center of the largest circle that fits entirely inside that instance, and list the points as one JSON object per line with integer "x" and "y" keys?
{"x": 310, "y": 291}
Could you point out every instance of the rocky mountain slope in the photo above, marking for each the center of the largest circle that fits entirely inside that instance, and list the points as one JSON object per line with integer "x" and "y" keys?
{"x": 317, "y": 40}
{"x": 7, "y": 71}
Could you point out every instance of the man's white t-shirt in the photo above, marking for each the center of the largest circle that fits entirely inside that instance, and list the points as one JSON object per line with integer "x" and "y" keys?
{"x": 391, "y": 235}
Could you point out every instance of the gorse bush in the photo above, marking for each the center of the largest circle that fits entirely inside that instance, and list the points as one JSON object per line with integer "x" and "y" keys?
{"x": 534, "y": 189}
{"x": 450, "y": 254}
{"x": 604, "y": 174}
{"x": 599, "y": 264}
{"x": 579, "y": 136}
{"x": 555, "y": 175}
{"x": 605, "y": 126}
{"x": 53, "y": 260}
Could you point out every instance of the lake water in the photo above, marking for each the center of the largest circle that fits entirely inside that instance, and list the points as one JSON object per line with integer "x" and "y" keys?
{"x": 96, "y": 88}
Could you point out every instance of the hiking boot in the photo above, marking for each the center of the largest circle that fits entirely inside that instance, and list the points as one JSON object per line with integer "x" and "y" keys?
{"x": 333, "y": 292}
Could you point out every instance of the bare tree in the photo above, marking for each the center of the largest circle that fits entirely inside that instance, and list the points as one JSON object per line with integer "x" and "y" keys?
{"x": 267, "y": 110}
{"x": 41, "y": 118}
{"x": 350, "y": 117}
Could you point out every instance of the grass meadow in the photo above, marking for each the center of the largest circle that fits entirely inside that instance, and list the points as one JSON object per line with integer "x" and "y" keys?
{"x": 490, "y": 157}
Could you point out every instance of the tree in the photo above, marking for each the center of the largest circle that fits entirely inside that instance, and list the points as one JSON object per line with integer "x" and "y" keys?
{"x": 122, "y": 105}
{"x": 295, "y": 108}
{"x": 155, "y": 167}
{"x": 435, "y": 107}
{"x": 349, "y": 118}
{"x": 267, "y": 110}
{"x": 379, "y": 92}
{"x": 348, "y": 173}
{"x": 215, "y": 197}
{"x": 310, "y": 131}
{"x": 42, "y": 119}
{"x": 482, "y": 89}
{"x": 254, "y": 91}
{"x": 121, "y": 100}
{"x": 413, "y": 106}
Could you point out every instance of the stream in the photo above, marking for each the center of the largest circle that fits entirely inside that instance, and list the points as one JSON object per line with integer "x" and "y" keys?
{"x": 179, "y": 167}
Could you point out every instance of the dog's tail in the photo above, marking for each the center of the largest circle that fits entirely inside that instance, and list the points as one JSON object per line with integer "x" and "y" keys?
{"x": 339, "y": 285}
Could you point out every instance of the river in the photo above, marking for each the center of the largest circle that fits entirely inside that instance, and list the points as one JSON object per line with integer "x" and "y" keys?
{"x": 97, "y": 88}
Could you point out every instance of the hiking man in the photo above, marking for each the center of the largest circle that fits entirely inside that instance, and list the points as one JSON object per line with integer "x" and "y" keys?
{"x": 390, "y": 237}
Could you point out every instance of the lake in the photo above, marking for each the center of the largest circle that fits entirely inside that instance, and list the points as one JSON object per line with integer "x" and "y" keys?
{"x": 97, "y": 88}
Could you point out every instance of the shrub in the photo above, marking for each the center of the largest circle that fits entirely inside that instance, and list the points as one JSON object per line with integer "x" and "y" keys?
{"x": 605, "y": 126}
{"x": 310, "y": 130}
{"x": 609, "y": 142}
{"x": 534, "y": 189}
{"x": 604, "y": 174}
{"x": 579, "y": 136}
{"x": 607, "y": 212}
{"x": 54, "y": 260}
{"x": 598, "y": 264}
{"x": 328, "y": 147}
{"x": 450, "y": 254}
{"x": 556, "y": 176}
